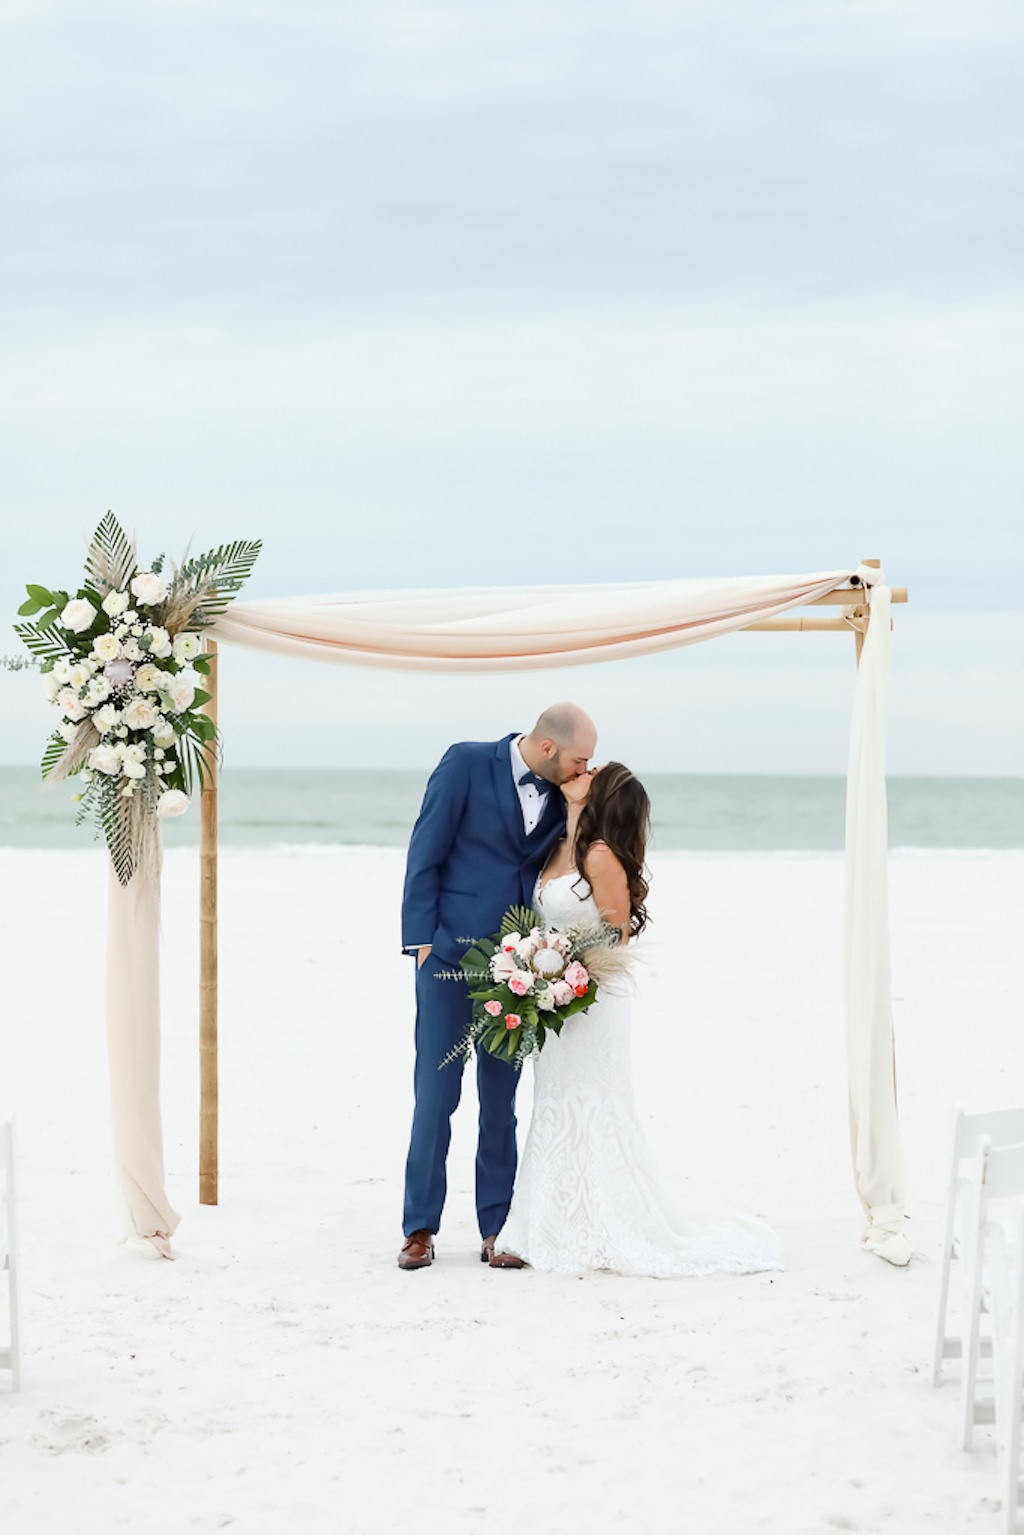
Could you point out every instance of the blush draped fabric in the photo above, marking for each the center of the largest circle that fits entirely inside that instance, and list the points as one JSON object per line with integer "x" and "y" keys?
{"x": 516, "y": 629}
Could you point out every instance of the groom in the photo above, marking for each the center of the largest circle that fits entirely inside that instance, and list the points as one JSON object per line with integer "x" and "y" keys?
{"x": 490, "y": 815}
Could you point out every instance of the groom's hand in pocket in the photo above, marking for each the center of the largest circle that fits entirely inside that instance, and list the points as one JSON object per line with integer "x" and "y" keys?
{"x": 422, "y": 956}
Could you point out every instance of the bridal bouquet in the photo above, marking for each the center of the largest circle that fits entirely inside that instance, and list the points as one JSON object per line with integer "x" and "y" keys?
{"x": 121, "y": 661}
{"x": 527, "y": 979}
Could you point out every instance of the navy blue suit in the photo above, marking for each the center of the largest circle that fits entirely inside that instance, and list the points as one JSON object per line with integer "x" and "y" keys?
{"x": 469, "y": 861}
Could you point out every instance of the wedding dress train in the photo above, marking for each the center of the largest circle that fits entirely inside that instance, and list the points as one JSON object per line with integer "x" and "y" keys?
{"x": 588, "y": 1194}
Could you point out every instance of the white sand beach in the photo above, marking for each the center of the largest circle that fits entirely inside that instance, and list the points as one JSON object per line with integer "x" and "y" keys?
{"x": 283, "y": 1375}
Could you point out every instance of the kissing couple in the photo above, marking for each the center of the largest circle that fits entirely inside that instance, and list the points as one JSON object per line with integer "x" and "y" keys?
{"x": 525, "y": 821}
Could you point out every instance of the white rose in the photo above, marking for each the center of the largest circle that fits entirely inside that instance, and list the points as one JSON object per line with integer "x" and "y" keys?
{"x": 563, "y": 993}
{"x": 105, "y": 759}
{"x": 149, "y": 678}
{"x": 159, "y": 642}
{"x": 140, "y": 714}
{"x": 79, "y": 615}
{"x": 133, "y": 769}
{"x": 130, "y": 650}
{"x": 115, "y": 603}
{"x": 545, "y": 1000}
{"x": 52, "y": 684}
{"x": 106, "y": 647}
{"x": 172, "y": 802}
{"x": 71, "y": 705}
{"x": 67, "y": 732}
{"x": 87, "y": 775}
{"x": 136, "y": 753}
{"x": 182, "y": 692}
{"x": 106, "y": 718}
{"x": 62, "y": 670}
{"x": 186, "y": 647}
{"x": 163, "y": 733}
{"x": 149, "y": 588}
{"x": 80, "y": 673}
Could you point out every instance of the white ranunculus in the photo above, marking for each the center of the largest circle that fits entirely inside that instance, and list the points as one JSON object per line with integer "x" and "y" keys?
{"x": 62, "y": 670}
{"x": 87, "y": 775}
{"x": 80, "y": 673}
{"x": 149, "y": 678}
{"x": 130, "y": 650}
{"x": 67, "y": 733}
{"x": 159, "y": 642}
{"x": 106, "y": 718}
{"x": 135, "y": 752}
{"x": 79, "y": 615}
{"x": 172, "y": 802}
{"x": 140, "y": 713}
{"x": 133, "y": 769}
{"x": 71, "y": 704}
{"x": 106, "y": 647}
{"x": 115, "y": 603}
{"x": 182, "y": 692}
{"x": 163, "y": 733}
{"x": 52, "y": 684}
{"x": 186, "y": 646}
{"x": 149, "y": 588}
{"x": 545, "y": 1000}
{"x": 105, "y": 759}
{"x": 97, "y": 691}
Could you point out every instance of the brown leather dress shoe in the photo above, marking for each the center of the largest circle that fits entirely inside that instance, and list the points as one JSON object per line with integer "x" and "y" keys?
{"x": 498, "y": 1260}
{"x": 417, "y": 1251}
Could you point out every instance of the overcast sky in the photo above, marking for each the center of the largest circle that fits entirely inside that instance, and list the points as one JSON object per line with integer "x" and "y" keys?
{"x": 441, "y": 294}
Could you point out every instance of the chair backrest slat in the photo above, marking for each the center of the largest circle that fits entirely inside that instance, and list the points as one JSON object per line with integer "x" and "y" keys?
{"x": 1004, "y": 1127}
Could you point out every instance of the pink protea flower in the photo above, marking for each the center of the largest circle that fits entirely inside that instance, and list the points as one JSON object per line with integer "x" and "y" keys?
{"x": 492, "y": 1007}
{"x": 512, "y": 1020}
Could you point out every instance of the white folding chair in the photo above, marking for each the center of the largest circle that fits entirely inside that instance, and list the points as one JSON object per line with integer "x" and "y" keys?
{"x": 10, "y": 1358}
{"x": 995, "y": 1175}
{"x": 1005, "y": 1263}
{"x": 1004, "y": 1127}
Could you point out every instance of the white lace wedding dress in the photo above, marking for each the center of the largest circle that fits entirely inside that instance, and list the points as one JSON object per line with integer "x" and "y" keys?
{"x": 588, "y": 1194}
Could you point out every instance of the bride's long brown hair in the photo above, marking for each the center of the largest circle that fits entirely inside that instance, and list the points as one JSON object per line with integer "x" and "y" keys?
{"x": 617, "y": 811}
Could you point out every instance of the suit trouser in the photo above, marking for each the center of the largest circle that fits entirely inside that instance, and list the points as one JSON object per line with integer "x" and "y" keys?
{"x": 443, "y": 1009}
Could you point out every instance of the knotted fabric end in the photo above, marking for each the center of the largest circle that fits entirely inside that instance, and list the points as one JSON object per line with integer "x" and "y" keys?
{"x": 885, "y": 1237}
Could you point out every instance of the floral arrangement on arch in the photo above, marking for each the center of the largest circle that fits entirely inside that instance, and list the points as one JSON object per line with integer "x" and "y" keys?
{"x": 122, "y": 661}
{"x": 527, "y": 979}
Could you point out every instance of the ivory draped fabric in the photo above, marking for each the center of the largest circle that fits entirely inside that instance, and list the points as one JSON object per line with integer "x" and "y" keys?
{"x": 516, "y": 629}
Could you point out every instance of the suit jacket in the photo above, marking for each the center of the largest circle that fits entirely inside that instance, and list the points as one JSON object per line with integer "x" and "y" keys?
{"x": 469, "y": 856}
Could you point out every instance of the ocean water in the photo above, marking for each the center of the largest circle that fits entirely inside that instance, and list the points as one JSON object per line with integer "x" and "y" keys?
{"x": 729, "y": 813}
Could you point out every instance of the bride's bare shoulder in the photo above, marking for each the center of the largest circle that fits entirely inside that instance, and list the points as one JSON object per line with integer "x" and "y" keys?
{"x": 601, "y": 860}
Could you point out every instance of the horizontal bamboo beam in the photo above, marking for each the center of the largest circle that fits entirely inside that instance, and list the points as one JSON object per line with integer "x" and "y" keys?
{"x": 796, "y": 621}
{"x": 843, "y": 596}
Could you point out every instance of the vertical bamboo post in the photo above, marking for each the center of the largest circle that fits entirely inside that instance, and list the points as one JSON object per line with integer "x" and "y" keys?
{"x": 208, "y": 954}
{"x": 859, "y": 633}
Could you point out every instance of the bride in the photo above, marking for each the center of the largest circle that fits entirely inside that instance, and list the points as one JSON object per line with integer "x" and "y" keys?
{"x": 588, "y": 1194}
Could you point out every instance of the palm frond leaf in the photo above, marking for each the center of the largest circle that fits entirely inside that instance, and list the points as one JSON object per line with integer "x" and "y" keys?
{"x": 115, "y": 819}
{"x": 49, "y": 647}
{"x": 55, "y": 748}
{"x": 218, "y": 576}
{"x": 111, "y": 557}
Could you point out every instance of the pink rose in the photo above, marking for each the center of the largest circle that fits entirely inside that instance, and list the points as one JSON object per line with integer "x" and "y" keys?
{"x": 512, "y": 1020}
{"x": 492, "y": 1007}
{"x": 519, "y": 984}
{"x": 577, "y": 978}
{"x": 563, "y": 993}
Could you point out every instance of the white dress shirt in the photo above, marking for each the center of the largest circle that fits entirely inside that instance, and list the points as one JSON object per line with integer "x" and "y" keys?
{"x": 531, "y": 799}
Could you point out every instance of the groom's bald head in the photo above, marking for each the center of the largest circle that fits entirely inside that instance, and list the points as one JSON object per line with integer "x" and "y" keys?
{"x": 561, "y": 743}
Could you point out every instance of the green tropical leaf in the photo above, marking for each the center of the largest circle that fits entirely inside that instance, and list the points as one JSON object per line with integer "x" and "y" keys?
{"x": 116, "y": 825}
{"x": 55, "y": 747}
{"x": 41, "y": 643}
{"x": 218, "y": 577}
{"x": 519, "y": 919}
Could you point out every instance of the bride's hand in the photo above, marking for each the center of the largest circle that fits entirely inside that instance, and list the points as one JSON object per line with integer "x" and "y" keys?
{"x": 577, "y": 789}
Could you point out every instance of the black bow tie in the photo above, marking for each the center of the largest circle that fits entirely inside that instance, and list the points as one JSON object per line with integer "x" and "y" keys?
{"x": 534, "y": 778}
